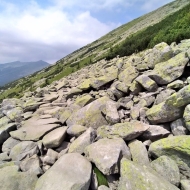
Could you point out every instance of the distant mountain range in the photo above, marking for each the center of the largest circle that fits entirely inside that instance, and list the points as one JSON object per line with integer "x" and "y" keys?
{"x": 15, "y": 70}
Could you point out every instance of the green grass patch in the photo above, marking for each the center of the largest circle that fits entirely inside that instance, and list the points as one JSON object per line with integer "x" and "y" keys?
{"x": 173, "y": 28}
{"x": 100, "y": 177}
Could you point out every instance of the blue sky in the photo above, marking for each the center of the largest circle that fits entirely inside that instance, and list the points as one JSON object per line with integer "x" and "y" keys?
{"x": 50, "y": 29}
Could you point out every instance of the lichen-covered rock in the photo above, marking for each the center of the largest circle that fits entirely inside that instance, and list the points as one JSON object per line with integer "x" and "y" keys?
{"x": 6, "y": 164}
{"x": 135, "y": 112}
{"x": 23, "y": 149}
{"x": 185, "y": 184}
{"x": 4, "y": 121}
{"x": 110, "y": 75}
{"x": 15, "y": 114}
{"x": 172, "y": 108}
{"x": 135, "y": 88}
{"x": 61, "y": 84}
{"x": 126, "y": 131}
{"x": 9, "y": 104}
{"x": 128, "y": 75}
{"x": 163, "y": 95}
{"x": 84, "y": 100}
{"x": 163, "y": 113}
{"x": 147, "y": 83}
{"x": 135, "y": 176}
{"x": 180, "y": 98}
{"x": 176, "y": 147}
{"x": 65, "y": 115}
{"x": 76, "y": 130}
{"x": 73, "y": 92}
{"x": 161, "y": 52}
{"x": 79, "y": 145}
{"x": 12, "y": 179}
{"x": 168, "y": 168}
{"x": 31, "y": 105}
{"x": 121, "y": 86}
{"x": 186, "y": 117}
{"x": 27, "y": 115}
{"x": 85, "y": 85}
{"x": 139, "y": 152}
{"x": 50, "y": 97}
{"x": 176, "y": 84}
{"x": 116, "y": 94}
{"x": 107, "y": 153}
{"x": 9, "y": 144}
{"x": 90, "y": 115}
{"x": 54, "y": 138}
{"x": 166, "y": 72}
{"x": 71, "y": 171}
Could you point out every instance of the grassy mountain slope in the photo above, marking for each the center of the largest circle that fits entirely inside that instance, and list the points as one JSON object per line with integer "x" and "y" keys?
{"x": 148, "y": 29}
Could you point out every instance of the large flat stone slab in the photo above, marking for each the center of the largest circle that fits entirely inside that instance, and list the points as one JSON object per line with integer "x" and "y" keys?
{"x": 54, "y": 138}
{"x": 34, "y": 129}
{"x": 71, "y": 172}
{"x": 126, "y": 131}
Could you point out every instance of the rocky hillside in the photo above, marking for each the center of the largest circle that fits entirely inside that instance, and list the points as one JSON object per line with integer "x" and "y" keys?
{"x": 15, "y": 70}
{"x": 121, "y": 124}
{"x": 168, "y": 23}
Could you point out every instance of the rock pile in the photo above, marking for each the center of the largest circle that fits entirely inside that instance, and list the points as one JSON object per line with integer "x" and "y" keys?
{"x": 120, "y": 124}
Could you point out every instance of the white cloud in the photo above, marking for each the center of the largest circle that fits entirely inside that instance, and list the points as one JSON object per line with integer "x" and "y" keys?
{"x": 47, "y": 34}
{"x": 30, "y": 31}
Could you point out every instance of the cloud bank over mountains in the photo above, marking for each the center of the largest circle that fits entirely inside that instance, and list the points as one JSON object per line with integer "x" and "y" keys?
{"x": 48, "y": 30}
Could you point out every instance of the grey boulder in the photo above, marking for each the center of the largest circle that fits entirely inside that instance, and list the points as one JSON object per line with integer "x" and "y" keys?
{"x": 71, "y": 172}
{"x": 168, "y": 168}
{"x": 11, "y": 179}
{"x": 54, "y": 138}
{"x": 107, "y": 153}
{"x": 90, "y": 115}
{"x": 135, "y": 176}
{"x": 83, "y": 141}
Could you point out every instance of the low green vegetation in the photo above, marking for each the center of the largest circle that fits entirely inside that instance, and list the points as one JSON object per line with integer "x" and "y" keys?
{"x": 50, "y": 74}
{"x": 100, "y": 177}
{"x": 173, "y": 28}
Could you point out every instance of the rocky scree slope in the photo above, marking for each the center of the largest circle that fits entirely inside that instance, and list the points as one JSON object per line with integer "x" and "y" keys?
{"x": 120, "y": 124}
